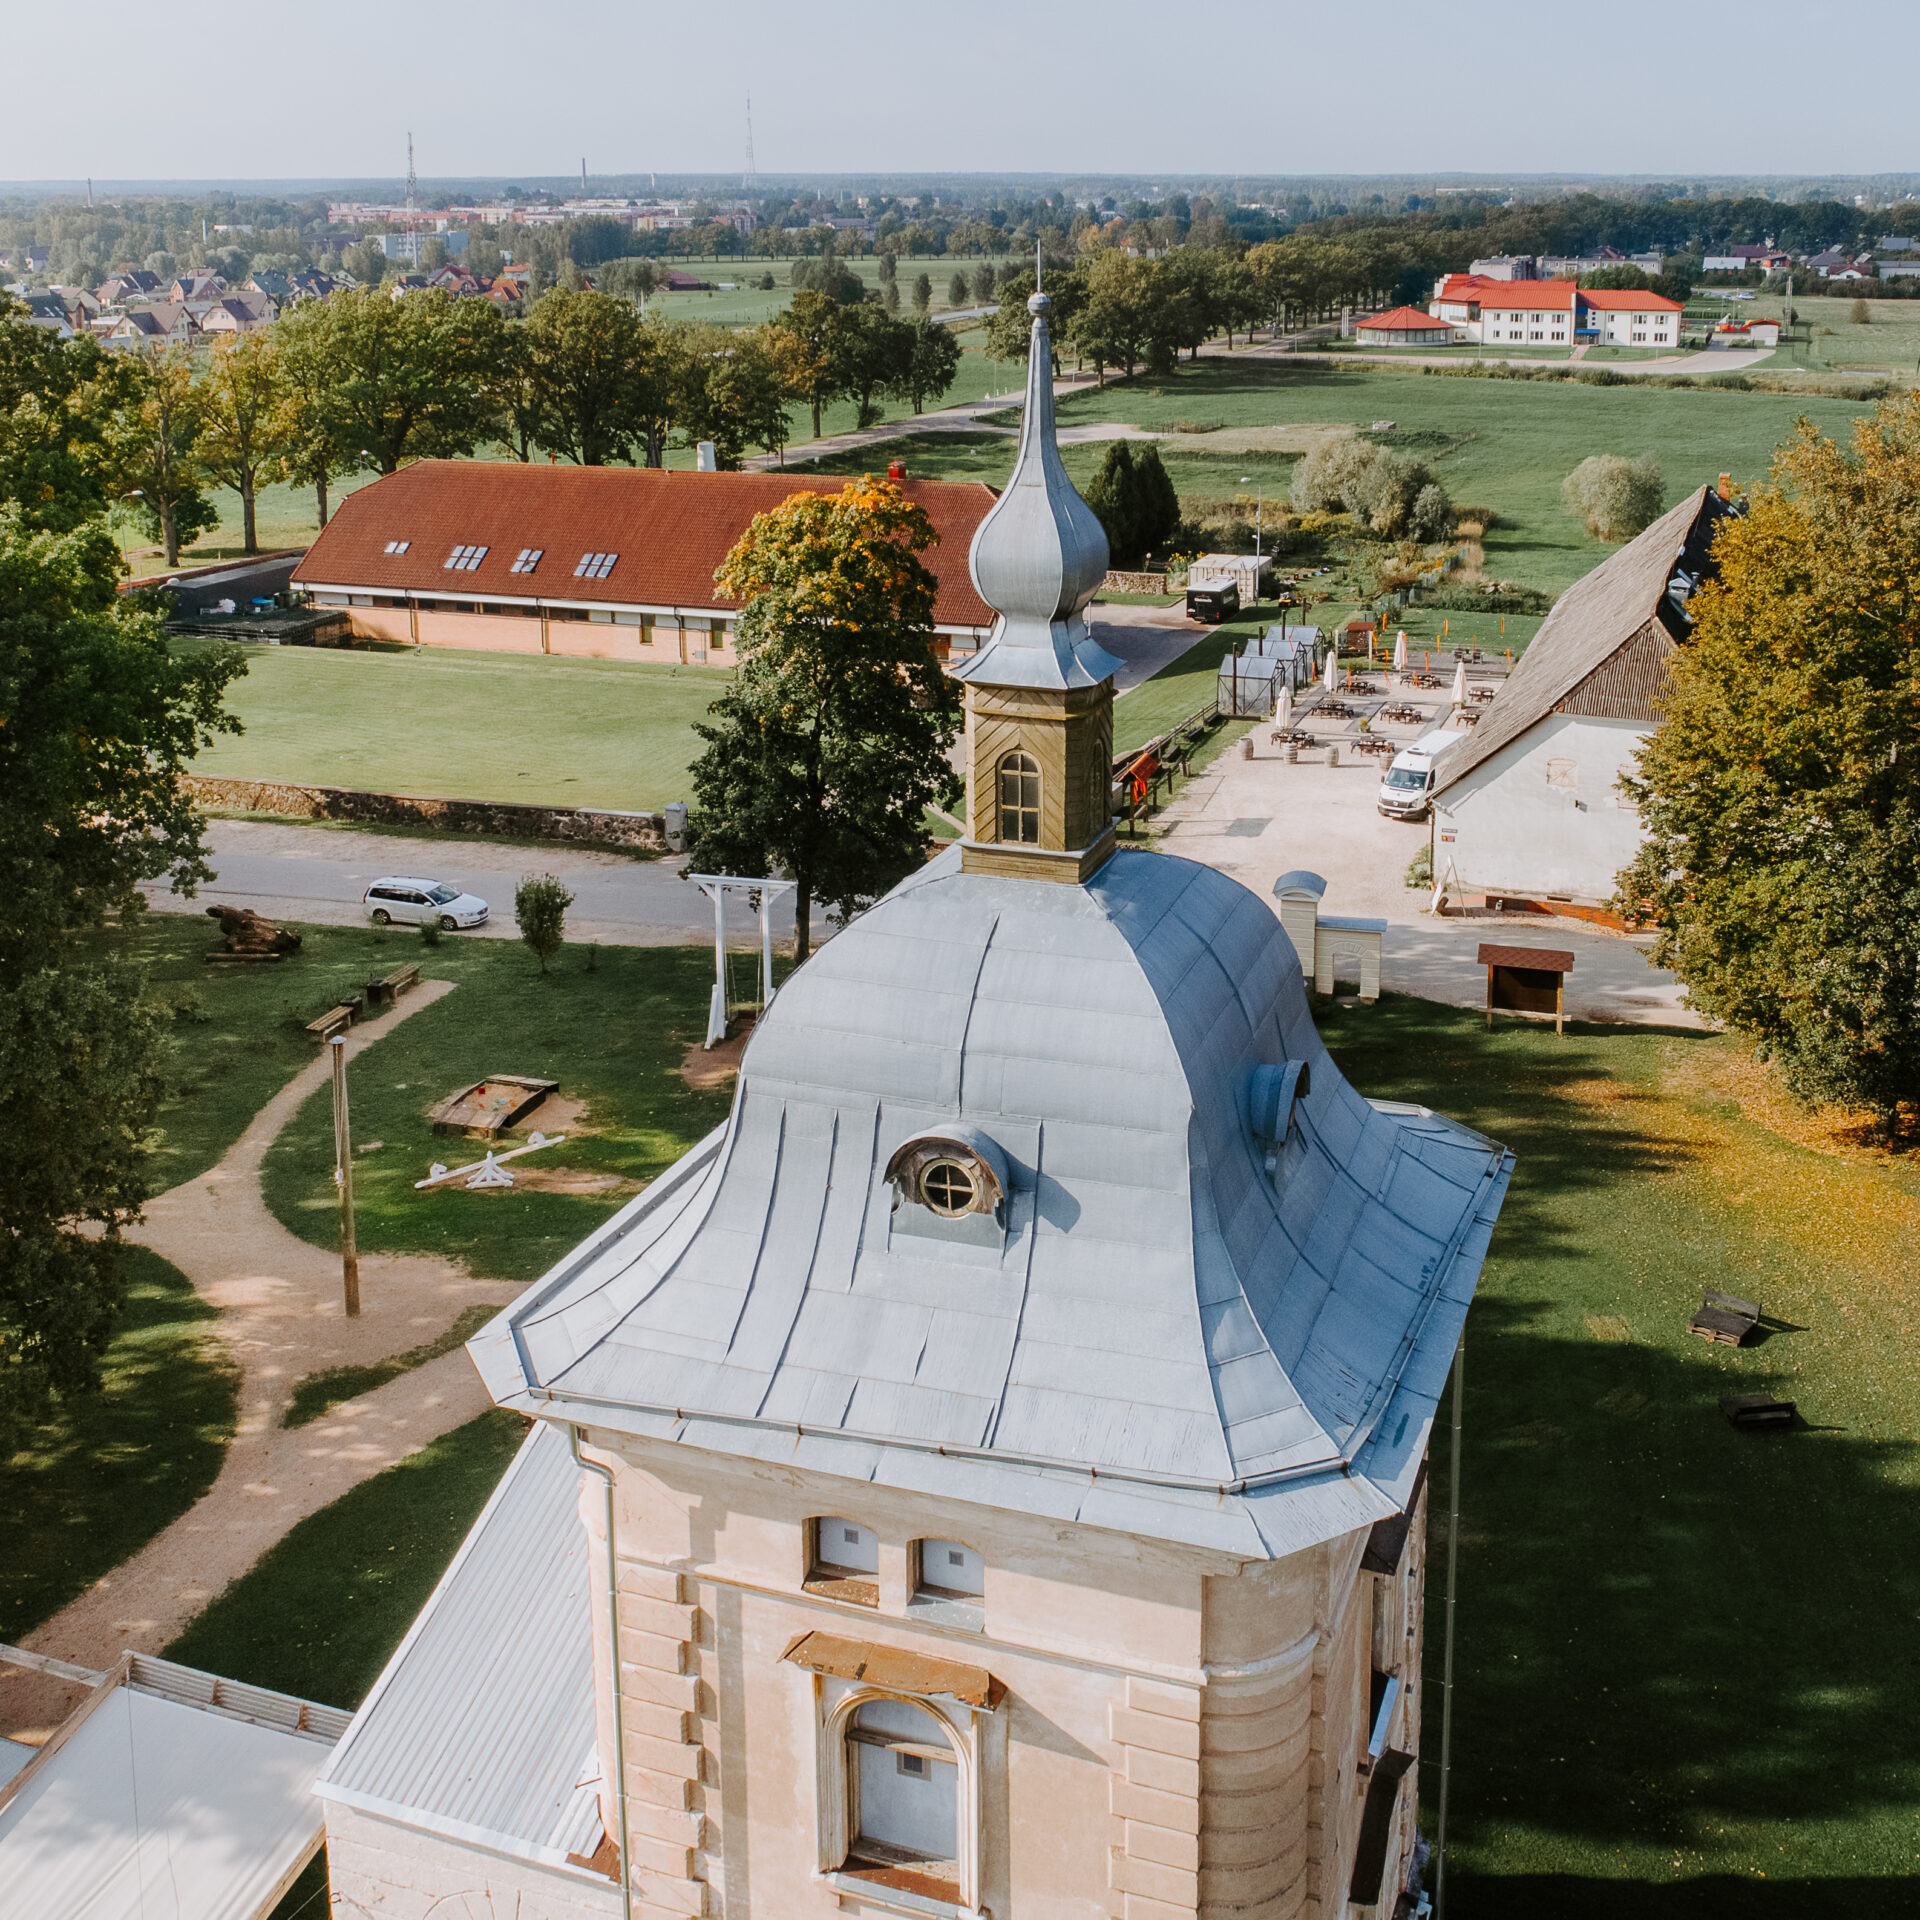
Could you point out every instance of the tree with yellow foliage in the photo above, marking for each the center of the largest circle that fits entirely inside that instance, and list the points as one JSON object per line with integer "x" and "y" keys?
{"x": 824, "y": 756}
{"x": 1781, "y": 791}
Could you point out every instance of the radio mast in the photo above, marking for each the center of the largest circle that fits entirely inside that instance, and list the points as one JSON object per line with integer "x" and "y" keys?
{"x": 748, "y": 180}
{"x": 413, "y": 186}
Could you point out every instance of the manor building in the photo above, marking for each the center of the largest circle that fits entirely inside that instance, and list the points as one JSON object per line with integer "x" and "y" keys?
{"x": 987, "y": 1475}
{"x": 1554, "y": 313}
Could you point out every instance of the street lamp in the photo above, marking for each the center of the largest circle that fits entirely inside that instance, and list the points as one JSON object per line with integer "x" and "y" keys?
{"x": 1259, "y": 519}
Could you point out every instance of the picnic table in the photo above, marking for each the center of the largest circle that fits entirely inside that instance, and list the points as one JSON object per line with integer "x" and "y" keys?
{"x": 1404, "y": 716}
{"x": 1373, "y": 743}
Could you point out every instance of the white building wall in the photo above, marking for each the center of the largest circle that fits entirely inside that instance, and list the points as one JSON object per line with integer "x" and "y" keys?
{"x": 1545, "y": 817}
{"x": 378, "y": 1869}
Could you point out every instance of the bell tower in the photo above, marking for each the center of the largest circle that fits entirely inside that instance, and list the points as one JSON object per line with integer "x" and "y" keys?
{"x": 1040, "y": 692}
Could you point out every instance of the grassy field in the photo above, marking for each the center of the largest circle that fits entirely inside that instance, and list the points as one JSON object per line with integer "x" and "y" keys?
{"x": 454, "y": 725}
{"x": 1686, "y": 1656}
{"x": 612, "y": 1026}
{"x": 1498, "y": 443}
{"x": 94, "y": 1485}
{"x": 321, "y": 1613}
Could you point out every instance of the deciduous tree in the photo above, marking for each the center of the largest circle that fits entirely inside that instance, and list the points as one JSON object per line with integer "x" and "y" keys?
{"x": 1781, "y": 791}
{"x": 1615, "y": 498}
{"x": 243, "y": 404}
{"x": 823, "y": 758}
{"x": 413, "y": 378}
{"x": 931, "y": 358}
{"x": 156, "y": 450}
{"x": 98, "y": 717}
{"x": 591, "y": 367}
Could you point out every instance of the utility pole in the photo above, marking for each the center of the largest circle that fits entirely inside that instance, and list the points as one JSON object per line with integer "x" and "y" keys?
{"x": 343, "y": 1177}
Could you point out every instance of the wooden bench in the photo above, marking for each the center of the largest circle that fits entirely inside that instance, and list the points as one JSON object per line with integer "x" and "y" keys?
{"x": 334, "y": 1020}
{"x": 382, "y": 993}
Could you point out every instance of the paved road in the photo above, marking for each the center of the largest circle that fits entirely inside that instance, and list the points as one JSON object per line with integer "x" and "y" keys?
{"x": 319, "y": 874}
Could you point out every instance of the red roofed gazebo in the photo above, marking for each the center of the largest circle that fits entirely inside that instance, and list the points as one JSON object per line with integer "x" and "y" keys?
{"x": 1405, "y": 327}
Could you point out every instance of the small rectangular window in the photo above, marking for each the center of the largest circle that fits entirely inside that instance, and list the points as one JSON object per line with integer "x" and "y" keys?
{"x": 951, "y": 1570}
{"x": 595, "y": 566}
{"x": 398, "y": 546}
{"x": 530, "y": 557}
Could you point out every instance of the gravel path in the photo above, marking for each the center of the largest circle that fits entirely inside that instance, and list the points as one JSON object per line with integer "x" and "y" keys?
{"x": 282, "y": 1318}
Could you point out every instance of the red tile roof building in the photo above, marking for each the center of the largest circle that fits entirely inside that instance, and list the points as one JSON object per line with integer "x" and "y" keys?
{"x": 1405, "y": 327}
{"x": 1555, "y": 313}
{"x": 601, "y": 562}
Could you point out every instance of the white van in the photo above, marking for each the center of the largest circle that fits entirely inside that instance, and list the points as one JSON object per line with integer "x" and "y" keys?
{"x": 1406, "y": 788}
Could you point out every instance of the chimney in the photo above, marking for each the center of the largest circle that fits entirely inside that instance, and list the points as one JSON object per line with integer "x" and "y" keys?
{"x": 704, "y": 460}
{"x": 896, "y": 469}
{"x": 1726, "y": 486}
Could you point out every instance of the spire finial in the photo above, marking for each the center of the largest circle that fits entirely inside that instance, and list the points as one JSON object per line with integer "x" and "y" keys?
{"x": 1040, "y": 553}
{"x": 1039, "y": 269}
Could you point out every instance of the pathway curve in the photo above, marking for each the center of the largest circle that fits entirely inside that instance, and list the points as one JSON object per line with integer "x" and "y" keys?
{"x": 281, "y": 1316}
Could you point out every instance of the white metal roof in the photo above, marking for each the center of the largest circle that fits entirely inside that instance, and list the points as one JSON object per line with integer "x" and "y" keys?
{"x": 167, "y": 1795}
{"x": 1173, "y": 1339}
{"x": 481, "y": 1727}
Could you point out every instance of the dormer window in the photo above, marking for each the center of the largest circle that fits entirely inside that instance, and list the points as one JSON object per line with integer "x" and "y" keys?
{"x": 951, "y": 1185}
{"x": 948, "y": 1188}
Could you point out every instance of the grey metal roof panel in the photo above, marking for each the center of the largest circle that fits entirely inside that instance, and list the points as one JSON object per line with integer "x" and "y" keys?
{"x": 483, "y": 1720}
{"x": 1160, "y": 1312}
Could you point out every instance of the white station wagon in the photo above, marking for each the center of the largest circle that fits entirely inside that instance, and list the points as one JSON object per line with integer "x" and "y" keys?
{"x": 412, "y": 901}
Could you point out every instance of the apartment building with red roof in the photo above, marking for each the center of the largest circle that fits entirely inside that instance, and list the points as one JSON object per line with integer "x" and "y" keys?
{"x": 604, "y": 563}
{"x": 1555, "y": 313}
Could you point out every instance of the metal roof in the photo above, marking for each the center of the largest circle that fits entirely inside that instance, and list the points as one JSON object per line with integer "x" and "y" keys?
{"x": 481, "y": 1728}
{"x": 1039, "y": 555}
{"x": 1590, "y": 623}
{"x": 1171, "y": 1337}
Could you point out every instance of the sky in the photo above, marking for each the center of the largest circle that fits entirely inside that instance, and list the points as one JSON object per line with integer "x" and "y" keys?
{"x": 273, "y": 91}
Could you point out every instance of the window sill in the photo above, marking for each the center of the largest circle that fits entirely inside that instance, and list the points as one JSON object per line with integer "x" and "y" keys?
{"x": 862, "y": 1885}
{"x": 849, "y": 1588}
{"x": 937, "y": 1611}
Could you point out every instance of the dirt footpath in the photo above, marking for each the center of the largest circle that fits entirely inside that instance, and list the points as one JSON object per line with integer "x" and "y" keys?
{"x": 282, "y": 1317}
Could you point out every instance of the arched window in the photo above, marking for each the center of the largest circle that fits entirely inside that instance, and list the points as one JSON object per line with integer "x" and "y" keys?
{"x": 903, "y": 1798}
{"x": 1020, "y": 798}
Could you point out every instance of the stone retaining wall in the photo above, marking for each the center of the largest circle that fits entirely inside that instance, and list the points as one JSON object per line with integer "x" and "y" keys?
{"x": 584, "y": 826}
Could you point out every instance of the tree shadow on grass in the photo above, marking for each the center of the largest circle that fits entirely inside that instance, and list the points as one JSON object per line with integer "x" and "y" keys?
{"x": 1686, "y": 1658}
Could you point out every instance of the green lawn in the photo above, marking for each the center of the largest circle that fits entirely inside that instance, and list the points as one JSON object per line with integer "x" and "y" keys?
{"x": 320, "y": 1614}
{"x": 234, "y": 1042}
{"x": 611, "y": 1026}
{"x": 1686, "y": 1656}
{"x": 98, "y": 1482}
{"x": 1498, "y": 443}
{"x": 476, "y": 726}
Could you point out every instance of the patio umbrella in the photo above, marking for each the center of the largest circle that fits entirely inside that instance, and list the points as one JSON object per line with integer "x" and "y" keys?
{"x": 1283, "y": 709}
{"x": 1460, "y": 683}
{"x": 1332, "y": 665}
{"x": 1400, "y": 652}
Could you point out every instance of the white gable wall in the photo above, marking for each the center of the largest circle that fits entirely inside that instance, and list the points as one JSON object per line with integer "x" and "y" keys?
{"x": 1544, "y": 818}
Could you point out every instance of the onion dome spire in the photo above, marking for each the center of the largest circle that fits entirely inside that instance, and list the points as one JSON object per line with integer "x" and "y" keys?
{"x": 1039, "y": 555}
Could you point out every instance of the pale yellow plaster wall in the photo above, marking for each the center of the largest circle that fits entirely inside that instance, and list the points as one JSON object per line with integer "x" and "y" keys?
{"x": 1181, "y": 1735}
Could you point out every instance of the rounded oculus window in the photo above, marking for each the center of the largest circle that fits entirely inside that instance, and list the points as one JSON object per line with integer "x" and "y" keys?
{"x": 946, "y": 1187}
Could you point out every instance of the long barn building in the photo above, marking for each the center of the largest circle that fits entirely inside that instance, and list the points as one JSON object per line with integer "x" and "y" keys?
{"x": 601, "y": 563}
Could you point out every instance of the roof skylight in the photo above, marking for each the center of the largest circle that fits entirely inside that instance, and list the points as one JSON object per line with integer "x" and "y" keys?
{"x": 464, "y": 559}
{"x": 595, "y": 566}
{"x": 530, "y": 557}
{"x": 398, "y": 546}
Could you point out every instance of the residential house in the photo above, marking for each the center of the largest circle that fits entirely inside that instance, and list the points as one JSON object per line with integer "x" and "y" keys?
{"x": 601, "y": 562}
{"x": 49, "y": 311}
{"x": 236, "y": 313}
{"x": 1530, "y": 808}
{"x": 197, "y": 286}
{"x": 987, "y": 1474}
{"x": 1901, "y": 266}
{"x": 24, "y": 259}
{"x": 154, "y": 328}
{"x": 82, "y": 305}
{"x": 130, "y": 283}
